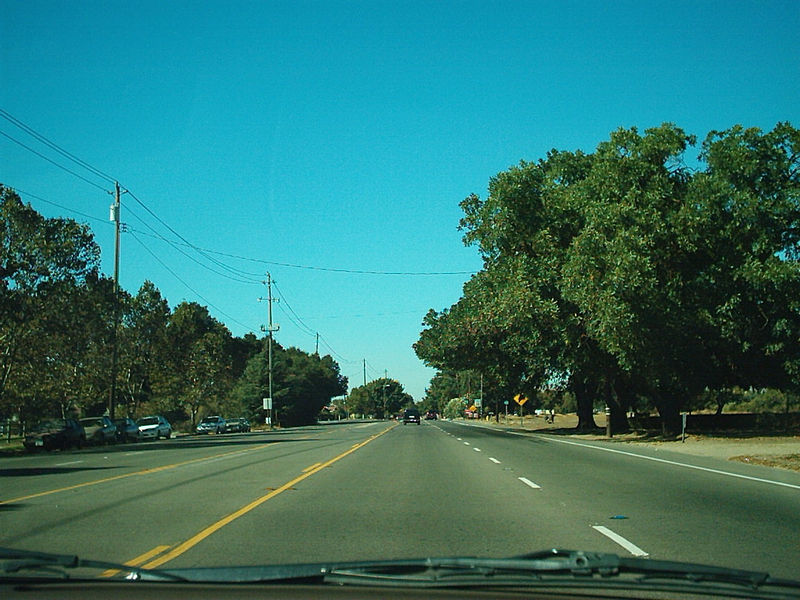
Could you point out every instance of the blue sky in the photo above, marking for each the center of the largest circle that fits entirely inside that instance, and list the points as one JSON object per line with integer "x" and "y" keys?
{"x": 340, "y": 136}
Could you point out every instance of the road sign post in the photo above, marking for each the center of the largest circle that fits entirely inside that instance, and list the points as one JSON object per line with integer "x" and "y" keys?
{"x": 520, "y": 399}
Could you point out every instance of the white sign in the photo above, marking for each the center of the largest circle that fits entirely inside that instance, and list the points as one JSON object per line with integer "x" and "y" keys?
{"x": 267, "y": 403}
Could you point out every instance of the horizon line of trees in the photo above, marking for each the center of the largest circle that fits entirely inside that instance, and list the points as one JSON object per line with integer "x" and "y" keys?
{"x": 57, "y": 332}
{"x": 629, "y": 278}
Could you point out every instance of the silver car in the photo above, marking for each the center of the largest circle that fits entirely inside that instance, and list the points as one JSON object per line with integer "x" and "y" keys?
{"x": 154, "y": 427}
{"x": 212, "y": 424}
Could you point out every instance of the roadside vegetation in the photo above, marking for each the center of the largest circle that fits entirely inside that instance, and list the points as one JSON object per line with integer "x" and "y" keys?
{"x": 648, "y": 276}
{"x": 60, "y": 320}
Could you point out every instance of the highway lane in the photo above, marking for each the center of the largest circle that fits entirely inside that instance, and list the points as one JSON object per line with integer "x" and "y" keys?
{"x": 121, "y": 502}
{"x": 675, "y": 506}
{"x": 381, "y": 490}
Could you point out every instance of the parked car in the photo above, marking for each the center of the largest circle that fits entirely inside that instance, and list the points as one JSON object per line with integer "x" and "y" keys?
{"x": 99, "y": 430}
{"x": 212, "y": 424}
{"x": 55, "y": 433}
{"x": 244, "y": 425}
{"x": 127, "y": 430}
{"x": 154, "y": 427}
{"x": 233, "y": 425}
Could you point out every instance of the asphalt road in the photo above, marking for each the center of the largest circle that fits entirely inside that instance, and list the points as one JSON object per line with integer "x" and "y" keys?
{"x": 379, "y": 490}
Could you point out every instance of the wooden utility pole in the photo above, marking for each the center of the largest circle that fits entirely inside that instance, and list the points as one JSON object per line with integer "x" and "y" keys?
{"x": 115, "y": 217}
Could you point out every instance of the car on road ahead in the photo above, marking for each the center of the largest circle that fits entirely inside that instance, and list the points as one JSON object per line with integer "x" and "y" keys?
{"x": 411, "y": 415}
{"x": 99, "y": 430}
{"x": 212, "y": 424}
{"x": 55, "y": 433}
{"x": 154, "y": 427}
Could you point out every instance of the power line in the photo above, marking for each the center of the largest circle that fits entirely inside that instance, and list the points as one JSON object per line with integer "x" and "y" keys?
{"x": 32, "y": 132}
{"x": 62, "y": 207}
{"x": 194, "y": 291}
{"x": 51, "y": 161}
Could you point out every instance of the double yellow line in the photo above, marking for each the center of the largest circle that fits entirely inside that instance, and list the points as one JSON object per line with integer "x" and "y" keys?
{"x": 199, "y": 537}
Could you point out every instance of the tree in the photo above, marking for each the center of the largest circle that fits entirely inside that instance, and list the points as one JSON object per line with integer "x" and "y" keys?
{"x": 199, "y": 363}
{"x": 41, "y": 261}
{"x": 143, "y": 348}
{"x": 302, "y": 385}
{"x": 380, "y": 398}
{"x": 632, "y": 276}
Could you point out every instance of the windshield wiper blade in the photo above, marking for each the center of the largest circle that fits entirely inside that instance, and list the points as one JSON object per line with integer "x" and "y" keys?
{"x": 565, "y": 568}
{"x": 17, "y": 561}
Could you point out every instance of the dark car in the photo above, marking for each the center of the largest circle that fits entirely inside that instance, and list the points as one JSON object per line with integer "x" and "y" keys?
{"x": 411, "y": 415}
{"x": 55, "y": 433}
{"x": 233, "y": 426}
{"x": 127, "y": 430}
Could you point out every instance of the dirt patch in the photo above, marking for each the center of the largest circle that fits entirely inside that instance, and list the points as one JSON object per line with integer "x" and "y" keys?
{"x": 780, "y": 461}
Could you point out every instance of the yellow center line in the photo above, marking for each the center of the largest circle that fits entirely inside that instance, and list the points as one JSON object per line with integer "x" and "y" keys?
{"x": 199, "y": 537}
{"x": 135, "y": 562}
{"x": 307, "y": 469}
{"x": 118, "y": 477}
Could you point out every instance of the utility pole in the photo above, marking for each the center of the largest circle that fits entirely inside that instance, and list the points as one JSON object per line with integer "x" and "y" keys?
{"x": 115, "y": 217}
{"x": 270, "y": 330}
{"x": 316, "y": 347}
{"x": 384, "y": 385}
{"x": 365, "y": 372}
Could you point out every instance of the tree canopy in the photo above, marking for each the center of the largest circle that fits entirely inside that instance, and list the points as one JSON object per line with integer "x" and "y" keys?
{"x": 634, "y": 277}
{"x": 58, "y": 320}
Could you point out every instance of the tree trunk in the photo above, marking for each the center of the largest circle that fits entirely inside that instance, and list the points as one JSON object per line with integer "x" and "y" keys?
{"x": 669, "y": 411}
{"x": 617, "y": 409}
{"x": 585, "y": 406}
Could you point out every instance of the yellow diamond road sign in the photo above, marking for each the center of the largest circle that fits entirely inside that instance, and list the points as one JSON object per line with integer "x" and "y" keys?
{"x": 520, "y": 399}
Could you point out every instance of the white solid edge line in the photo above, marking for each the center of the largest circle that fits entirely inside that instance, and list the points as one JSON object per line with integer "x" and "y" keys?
{"x": 629, "y": 546}
{"x": 677, "y": 464}
{"x": 527, "y": 481}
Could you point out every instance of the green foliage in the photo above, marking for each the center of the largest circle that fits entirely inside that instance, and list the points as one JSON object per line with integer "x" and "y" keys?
{"x": 455, "y": 408}
{"x": 635, "y": 279}
{"x": 57, "y": 330}
{"x": 763, "y": 401}
{"x": 302, "y": 385}
{"x": 48, "y": 284}
{"x": 380, "y": 399}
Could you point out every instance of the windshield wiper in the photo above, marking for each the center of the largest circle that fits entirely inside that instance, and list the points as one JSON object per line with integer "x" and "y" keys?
{"x": 19, "y": 561}
{"x": 552, "y": 569}
{"x": 567, "y": 568}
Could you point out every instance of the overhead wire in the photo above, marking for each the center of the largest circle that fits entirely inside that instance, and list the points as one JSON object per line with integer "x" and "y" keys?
{"x": 51, "y": 161}
{"x": 235, "y": 274}
{"x": 32, "y": 132}
{"x": 194, "y": 291}
{"x": 62, "y": 207}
